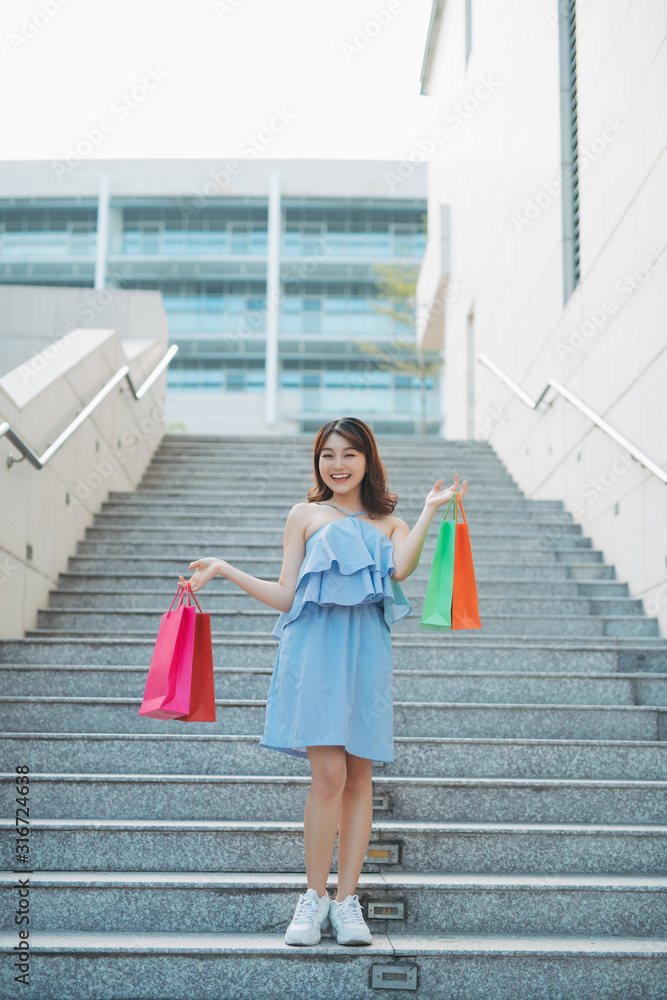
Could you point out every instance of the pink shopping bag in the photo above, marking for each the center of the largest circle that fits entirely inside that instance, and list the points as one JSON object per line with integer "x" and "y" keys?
{"x": 169, "y": 683}
{"x": 202, "y": 692}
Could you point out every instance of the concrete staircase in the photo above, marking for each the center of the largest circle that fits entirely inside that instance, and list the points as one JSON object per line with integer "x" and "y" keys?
{"x": 519, "y": 840}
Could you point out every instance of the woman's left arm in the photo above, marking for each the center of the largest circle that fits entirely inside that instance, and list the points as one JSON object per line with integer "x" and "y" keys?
{"x": 408, "y": 544}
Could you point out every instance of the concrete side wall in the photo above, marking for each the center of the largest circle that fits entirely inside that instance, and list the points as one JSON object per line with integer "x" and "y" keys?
{"x": 212, "y": 178}
{"x": 44, "y": 512}
{"x": 36, "y": 316}
{"x": 208, "y": 412}
{"x": 500, "y": 172}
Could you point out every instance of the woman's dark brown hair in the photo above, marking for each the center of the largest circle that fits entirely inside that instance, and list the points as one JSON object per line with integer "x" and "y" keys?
{"x": 375, "y": 497}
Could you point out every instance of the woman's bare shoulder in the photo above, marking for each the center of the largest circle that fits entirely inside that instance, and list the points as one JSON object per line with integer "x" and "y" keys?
{"x": 393, "y": 527}
{"x": 400, "y": 528}
{"x": 300, "y": 511}
{"x": 300, "y": 515}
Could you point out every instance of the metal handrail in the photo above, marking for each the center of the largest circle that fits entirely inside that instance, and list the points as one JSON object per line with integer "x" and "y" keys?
{"x": 39, "y": 461}
{"x": 638, "y": 455}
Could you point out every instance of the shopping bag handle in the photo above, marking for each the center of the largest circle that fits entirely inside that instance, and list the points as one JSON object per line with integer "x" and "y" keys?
{"x": 456, "y": 499}
{"x": 183, "y": 591}
{"x": 459, "y": 503}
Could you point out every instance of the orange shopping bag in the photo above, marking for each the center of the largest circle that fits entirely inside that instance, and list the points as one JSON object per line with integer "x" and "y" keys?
{"x": 465, "y": 613}
{"x": 451, "y": 593}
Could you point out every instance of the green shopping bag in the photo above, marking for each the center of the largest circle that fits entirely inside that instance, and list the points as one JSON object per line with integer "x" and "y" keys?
{"x": 437, "y": 613}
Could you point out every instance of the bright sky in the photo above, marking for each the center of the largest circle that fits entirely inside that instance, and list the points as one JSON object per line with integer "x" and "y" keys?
{"x": 337, "y": 80}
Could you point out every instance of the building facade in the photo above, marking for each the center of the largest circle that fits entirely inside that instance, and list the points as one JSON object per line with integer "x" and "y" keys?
{"x": 547, "y": 255}
{"x": 271, "y": 274}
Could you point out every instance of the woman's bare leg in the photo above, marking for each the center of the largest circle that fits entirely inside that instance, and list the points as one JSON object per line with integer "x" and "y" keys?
{"x": 356, "y": 820}
{"x": 320, "y": 816}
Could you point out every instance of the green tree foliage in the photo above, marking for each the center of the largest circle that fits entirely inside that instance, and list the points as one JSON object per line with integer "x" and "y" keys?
{"x": 396, "y": 286}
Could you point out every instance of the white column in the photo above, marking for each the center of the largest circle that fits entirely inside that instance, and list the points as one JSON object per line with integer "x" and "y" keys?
{"x": 102, "y": 232}
{"x": 470, "y": 394}
{"x": 272, "y": 304}
{"x": 445, "y": 272}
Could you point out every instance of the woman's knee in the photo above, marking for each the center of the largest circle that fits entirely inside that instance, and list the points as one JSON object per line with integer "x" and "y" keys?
{"x": 329, "y": 770}
{"x": 358, "y": 774}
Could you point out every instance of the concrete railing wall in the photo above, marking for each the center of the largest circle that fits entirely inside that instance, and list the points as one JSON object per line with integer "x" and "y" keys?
{"x": 44, "y": 512}
{"x": 499, "y": 170}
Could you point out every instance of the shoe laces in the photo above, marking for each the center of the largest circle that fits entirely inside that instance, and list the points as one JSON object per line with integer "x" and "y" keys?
{"x": 350, "y": 911}
{"x": 305, "y": 908}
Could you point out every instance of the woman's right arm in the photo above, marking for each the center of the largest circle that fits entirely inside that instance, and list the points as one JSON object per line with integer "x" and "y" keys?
{"x": 278, "y": 595}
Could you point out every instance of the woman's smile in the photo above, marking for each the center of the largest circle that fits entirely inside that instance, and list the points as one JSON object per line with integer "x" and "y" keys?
{"x": 342, "y": 468}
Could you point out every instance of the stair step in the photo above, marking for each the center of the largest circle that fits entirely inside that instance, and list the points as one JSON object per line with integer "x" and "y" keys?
{"x": 149, "y": 965}
{"x": 260, "y": 903}
{"x": 145, "y": 796}
{"x": 592, "y": 654}
{"x": 137, "y": 622}
{"x": 519, "y": 840}
{"x": 90, "y": 590}
{"x": 402, "y": 474}
{"x": 483, "y": 545}
{"x": 490, "y": 488}
{"x": 47, "y": 713}
{"x": 127, "y": 504}
{"x": 582, "y": 574}
{"x": 408, "y": 685}
{"x": 219, "y": 599}
{"x": 580, "y": 564}
{"x": 271, "y": 536}
{"x": 136, "y": 511}
{"x": 230, "y": 492}
{"x": 75, "y": 590}
{"x": 169, "y": 752}
{"x": 238, "y": 846}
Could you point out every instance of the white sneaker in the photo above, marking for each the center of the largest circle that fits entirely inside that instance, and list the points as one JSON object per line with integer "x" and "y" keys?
{"x": 311, "y": 917}
{"x": 347, "y": 921}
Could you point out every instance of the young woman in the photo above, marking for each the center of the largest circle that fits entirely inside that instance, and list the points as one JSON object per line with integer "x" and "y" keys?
{"x": 330, "y": 698}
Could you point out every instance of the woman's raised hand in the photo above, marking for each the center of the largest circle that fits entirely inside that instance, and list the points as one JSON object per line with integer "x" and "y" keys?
{"x": 438, "y": 496}
{"x": 204, "y": 570}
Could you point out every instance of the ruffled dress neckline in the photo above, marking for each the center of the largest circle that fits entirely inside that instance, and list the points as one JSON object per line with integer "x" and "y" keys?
{"x": 347, "y": 562}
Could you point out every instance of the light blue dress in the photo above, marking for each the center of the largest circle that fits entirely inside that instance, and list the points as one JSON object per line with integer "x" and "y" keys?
{"x": 332, "y": 680}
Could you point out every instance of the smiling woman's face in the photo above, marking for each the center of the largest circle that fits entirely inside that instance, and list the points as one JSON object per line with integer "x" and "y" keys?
{"x": 342, "y": 467}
